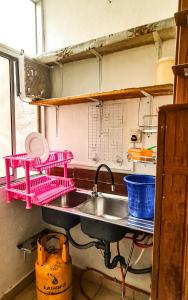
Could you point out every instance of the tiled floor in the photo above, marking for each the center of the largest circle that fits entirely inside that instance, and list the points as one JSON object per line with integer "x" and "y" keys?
{"x": 90, "y": 288}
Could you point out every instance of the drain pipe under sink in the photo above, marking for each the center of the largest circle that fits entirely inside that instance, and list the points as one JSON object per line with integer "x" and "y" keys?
{"x": 105, "y": 246}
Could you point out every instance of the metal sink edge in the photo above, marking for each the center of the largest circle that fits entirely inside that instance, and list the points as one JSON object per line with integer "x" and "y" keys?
{"x": 129, "y": 222}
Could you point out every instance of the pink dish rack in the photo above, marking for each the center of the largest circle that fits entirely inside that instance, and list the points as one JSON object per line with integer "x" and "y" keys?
{"x": 43, "y": 188}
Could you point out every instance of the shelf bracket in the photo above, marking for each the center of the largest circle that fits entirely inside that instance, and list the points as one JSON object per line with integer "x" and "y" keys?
{"x": 30, "y": 245}
{"x": 57, "y": 120}
{"x": 149, "y": 96}
{"x": 99, "y": 103}
{"x": 97, "y": 54}
{"x": 99, "y": 57}
{"x": 158, "y": 43}
{"x": 150, "y": 99}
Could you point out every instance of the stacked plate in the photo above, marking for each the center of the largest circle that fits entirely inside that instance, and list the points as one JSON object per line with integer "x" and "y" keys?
{"x": 36, "y": 146}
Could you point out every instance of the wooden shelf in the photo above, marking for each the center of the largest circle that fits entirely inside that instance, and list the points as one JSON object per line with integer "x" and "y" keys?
{"x": 156, "y": 90}
{"x": 181, "y": 18}
{"x": 181, "y": 69}
{"x": 130, "y": 38}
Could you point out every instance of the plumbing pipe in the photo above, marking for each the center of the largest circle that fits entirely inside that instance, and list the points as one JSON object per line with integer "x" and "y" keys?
{"x": 96, "y": 244}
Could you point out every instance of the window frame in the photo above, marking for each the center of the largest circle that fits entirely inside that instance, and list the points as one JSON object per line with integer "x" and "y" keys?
{"x": 13, "y": 61}
{"x": 39, "y": 26}
{"x": 15, "y": 58}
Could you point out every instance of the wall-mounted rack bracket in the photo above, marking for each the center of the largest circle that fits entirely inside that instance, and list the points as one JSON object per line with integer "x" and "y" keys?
{"x": 96, "y": 53}
{"x": 146, "y": 94}
{"x": 30, "y": 244}
{"x": 158, "y": 43}
{"x": 149, "y": 129}
{"x": 99, "y": 58}
{"x": 98, "y": 102}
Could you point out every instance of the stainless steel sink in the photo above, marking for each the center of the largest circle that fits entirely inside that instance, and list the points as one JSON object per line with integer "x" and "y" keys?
{"x": 97, "y": 214}
{"x": 71, "y": 199}
{"x": 109, "y": 208}
{"x": 55, "y": 213}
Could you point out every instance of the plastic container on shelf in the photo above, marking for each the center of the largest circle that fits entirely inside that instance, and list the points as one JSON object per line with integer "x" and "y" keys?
{"x": 140, "y": 154}
{"x": 41, "y": 189}
{"x": 134, "y": 153}
{"x": 141, "y": 195}
{"x": 164, "y": 70}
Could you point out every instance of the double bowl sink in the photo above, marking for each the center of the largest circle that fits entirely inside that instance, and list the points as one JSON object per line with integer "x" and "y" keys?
{"x": 104, "y": 217}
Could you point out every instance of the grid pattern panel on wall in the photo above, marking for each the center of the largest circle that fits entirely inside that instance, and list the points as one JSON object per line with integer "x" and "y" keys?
{"x": 105, "y": 130}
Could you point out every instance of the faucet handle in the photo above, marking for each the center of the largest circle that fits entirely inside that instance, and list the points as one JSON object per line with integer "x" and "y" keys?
{"x": 94, "y": 193}
{"x": 113, "y": 188}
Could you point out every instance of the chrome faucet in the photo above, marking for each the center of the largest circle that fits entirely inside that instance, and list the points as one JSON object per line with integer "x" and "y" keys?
{"x": 96, "y": 179}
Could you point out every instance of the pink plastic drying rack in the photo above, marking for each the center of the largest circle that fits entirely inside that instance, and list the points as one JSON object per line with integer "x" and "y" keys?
{"x": 43, "y": 188}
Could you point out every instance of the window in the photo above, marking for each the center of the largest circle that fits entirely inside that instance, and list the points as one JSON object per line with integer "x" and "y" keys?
{"x": 17, "y": 25}
{"x": 6, "y": 110}
{"x": 17, "y": 117}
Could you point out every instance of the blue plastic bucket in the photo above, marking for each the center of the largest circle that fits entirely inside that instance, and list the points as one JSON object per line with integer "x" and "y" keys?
{"x": 141, "y": 195}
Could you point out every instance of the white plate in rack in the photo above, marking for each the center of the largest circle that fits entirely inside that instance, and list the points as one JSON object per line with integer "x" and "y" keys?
{"x": 37, "y": 146}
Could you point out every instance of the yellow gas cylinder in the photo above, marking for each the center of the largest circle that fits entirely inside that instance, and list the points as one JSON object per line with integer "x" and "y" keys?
{"x": 53, "y": 269}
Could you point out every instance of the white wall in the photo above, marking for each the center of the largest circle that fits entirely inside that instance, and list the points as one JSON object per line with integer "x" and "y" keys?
{"x": 71, "y": 22}
{"x": 16, "y": 225}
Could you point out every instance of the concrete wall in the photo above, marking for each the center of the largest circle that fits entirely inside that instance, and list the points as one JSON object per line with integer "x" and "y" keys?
{"x": 73, "y": 21}
{"x": 16, "y": 224}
